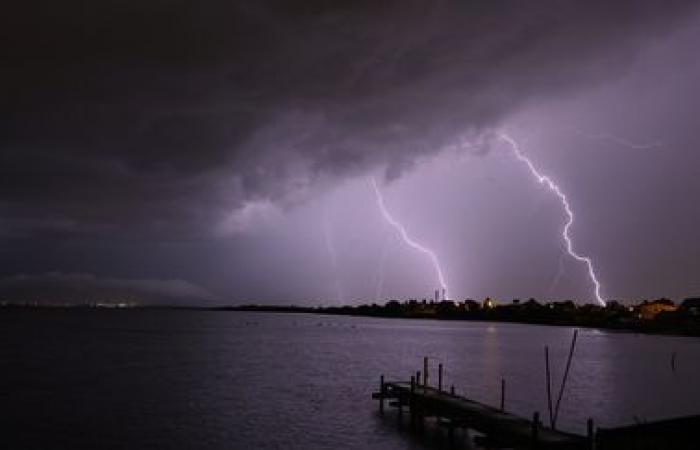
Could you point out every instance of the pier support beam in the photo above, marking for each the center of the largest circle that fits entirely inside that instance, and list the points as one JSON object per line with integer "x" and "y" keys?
{"x": 382, "y": 390}
{"x": 412, "y": 402}
{"x": 590, "y": 434}
{"x": 425, "y": 371}
{"x": 400, "y": 407}
{"x": 535, "y": 429}
{"x": 440, "y": 377}
{"x": 503, "y": 394}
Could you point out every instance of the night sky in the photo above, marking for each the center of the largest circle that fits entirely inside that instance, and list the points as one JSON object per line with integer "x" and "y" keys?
{"x": 222, "y": 152}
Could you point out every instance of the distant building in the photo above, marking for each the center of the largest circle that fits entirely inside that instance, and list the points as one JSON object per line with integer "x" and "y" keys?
{"x": 649, "y": 310}
{"x": 489, "y": 303}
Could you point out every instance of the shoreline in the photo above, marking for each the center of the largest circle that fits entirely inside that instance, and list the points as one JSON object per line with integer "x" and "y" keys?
{"x": 600, "y": 321}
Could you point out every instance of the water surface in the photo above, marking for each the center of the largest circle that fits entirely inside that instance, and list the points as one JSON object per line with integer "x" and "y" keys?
{"x": 230, "y": 380}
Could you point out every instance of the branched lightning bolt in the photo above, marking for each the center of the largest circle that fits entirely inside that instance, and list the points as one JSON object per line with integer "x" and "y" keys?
{"x": 552, "y": 186}
{"x": 407, "y": 239}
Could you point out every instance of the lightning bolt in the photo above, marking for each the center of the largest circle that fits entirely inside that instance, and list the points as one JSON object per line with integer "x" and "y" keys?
{"x": 407, "y": 239}
{"x": 552, "y": 186}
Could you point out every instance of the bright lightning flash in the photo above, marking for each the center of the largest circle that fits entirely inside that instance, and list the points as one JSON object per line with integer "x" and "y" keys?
{"x": 552, "y": 186}
{"x": 407, "y": 239}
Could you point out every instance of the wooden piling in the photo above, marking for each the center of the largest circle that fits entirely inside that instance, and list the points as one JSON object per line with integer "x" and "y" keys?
{"x": 503, "y": 394}
{"x": 451, "y": 429}
{"x": 412, "y": 401}
{"x": 566, "y": 377}
{"x": 382, "y": 391}
{"x": 548, "y": 381}
{"x": 590, "y": 434}
{"x": 425, "y": 371}
{"x": 440, "y": 377}
{"x": 535, "y": 428}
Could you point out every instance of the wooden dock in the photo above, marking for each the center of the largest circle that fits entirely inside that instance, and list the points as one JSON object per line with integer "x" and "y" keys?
{"x": 500, "y": 428}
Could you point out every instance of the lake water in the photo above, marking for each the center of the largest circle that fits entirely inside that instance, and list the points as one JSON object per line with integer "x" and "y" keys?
{"x": 229, "y": 380}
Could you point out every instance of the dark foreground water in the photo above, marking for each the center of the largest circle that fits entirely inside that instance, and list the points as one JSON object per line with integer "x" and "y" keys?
{"x": 225, "y": 380}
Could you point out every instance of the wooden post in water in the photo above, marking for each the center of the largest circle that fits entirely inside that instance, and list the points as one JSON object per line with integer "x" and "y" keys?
{"x": 451, "y": 429}
{"x": 440, "y": 377}
{"x": 425, "y": 371}
{"x": 563, "y": 381}
{"x": 503, "y": 394}
{"x": 381, "y": 394}
{"x": 591, "y": 434}
{"x": 535, "y": 428}
{"x": 412, "y": 401}
{"x": 400, "y": 406}
{"x": 548, "y": 380}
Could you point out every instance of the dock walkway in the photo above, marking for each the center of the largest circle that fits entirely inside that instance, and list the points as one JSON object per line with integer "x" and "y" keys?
{"x": 500, "y": 426}
{"x": 501, "y": 429}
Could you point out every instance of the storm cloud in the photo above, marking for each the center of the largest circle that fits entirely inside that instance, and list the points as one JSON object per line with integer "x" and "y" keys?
{"x": 161, "y": 119}
{"x": 83, "y": 288}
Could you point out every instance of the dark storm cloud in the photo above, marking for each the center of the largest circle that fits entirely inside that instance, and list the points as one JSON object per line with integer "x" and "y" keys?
{"x": 78, "y": 288}
{"x": 163, "y": 116}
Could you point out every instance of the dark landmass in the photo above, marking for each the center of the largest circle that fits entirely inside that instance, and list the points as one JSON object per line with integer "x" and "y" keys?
{"x": 657, "y": 316}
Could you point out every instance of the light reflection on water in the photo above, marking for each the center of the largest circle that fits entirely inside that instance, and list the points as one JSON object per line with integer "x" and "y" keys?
{"x": 219, "y": 380}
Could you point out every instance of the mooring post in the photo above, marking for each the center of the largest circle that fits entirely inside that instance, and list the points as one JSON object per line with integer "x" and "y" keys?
{"x": 412, "y": 401}
{"x": 503, "y": 394}
{"x": 381, "y": 394}
{"x": 548, "y": 381}
{"x": 425, "y": 371}
{"x": 440, "y": 377}
{"x": 591, "y": 434}
{"x": 400, "y": 406}
{"x": 535, "y": 428}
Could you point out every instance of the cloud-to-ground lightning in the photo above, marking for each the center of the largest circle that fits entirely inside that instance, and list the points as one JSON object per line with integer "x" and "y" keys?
{"x": 552, "y": 186}
{"x": 407, "y": 239}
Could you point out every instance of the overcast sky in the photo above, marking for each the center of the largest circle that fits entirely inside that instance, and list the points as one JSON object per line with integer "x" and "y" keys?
{"x": 224, "y": 151}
